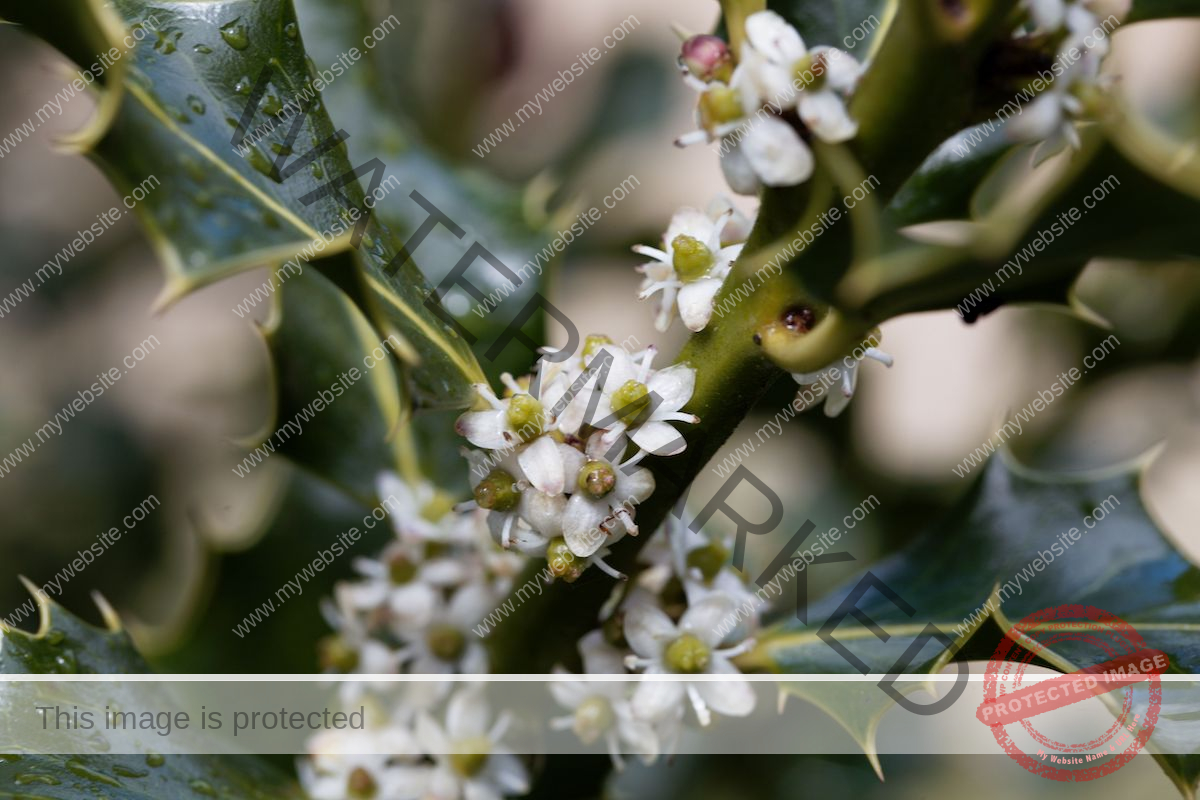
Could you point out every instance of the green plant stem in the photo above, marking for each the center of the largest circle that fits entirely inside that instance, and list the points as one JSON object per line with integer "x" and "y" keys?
{"x": 916, "y": 94}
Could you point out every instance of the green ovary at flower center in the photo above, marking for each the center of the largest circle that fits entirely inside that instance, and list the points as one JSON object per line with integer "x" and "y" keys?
{"x": 334, "y": 652}
{"x": 525, "y": 416}
{"x": 690, "y": 258}
{"x": 498, "y": 491}
{"x": 401, "y": 570}
{"x": 360, "y": 785}
{"x": 597, "y": 479}
{"x": 809, "y": 73}
{"x": 708, "y": 559}
{"x": 687, "y": 654}
{"x": 630, "y": 400}
{"x": 438, "y": 506}
{"x": 470, "y": 755}
{"x": 718, "y": 106}
{"x": 446, "y": 642}
{"x": 593, "y": 717}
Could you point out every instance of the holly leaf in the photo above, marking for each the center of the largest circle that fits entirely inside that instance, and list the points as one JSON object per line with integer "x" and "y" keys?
{"x": 66, "y": 644}
{"x": 217, "y": 202}
{"x": 506, "y": 218}
{"x": 850, "y": 25}
{"x": 954, "y": 575}
{"x": 336, "y": 401}
{"x": 1144, "y": 10}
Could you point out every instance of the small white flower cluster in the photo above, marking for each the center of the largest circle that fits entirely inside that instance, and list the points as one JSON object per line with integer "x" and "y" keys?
{"x": 406, "y": 754}
{"x": 698, "y": 251}
{"x": 763, "y": 109}
{"x": 414, "y": 606}
{"x": 1082, "y": 42}
{"x": 836, "y": 383}
{"x": 688, "y": 613}
{"x": 554, "y": 471}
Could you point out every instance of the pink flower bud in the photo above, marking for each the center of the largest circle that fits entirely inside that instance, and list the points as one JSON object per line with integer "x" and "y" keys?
{"x": 707, "y": 57}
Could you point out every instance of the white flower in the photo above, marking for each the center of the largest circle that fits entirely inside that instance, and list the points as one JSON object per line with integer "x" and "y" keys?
{"x": 690, "y": 268}
{"x": 605, "y": 492}
{"x": 469, "y": 760}
{"x": 1050, "y": 118}
{"x": 843, "y": 374}
{"x": 401, "y": 584}
{"x": 349, "y": 763}
{"x": 525, "y": 484}
{"x": 689, "y": 648}
{"x": 778, "y": 69}
{"x": 448, "y": 643}
{"x": 418, "y": 512}
{"x": 645, "y": 401}
{"x": 509, "y": 422}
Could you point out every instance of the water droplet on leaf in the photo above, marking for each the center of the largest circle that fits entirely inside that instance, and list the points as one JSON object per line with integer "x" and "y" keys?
{"x": 234, "y": 34}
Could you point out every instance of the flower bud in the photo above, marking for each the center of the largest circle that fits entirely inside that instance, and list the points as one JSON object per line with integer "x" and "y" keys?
{"x": 707, "y": 57}
{"x": 498, "y": 491}
{"x": 596, "y": 479}
{"x": 561, "y": 562}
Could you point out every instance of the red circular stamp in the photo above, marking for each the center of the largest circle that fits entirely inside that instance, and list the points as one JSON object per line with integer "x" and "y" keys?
{"x": 1017, "y": 709}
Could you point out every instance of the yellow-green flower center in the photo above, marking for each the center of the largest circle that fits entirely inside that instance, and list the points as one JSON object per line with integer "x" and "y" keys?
{"x": 470, "y": 755}
{"x": 593, "y": 717}
{"x": 334, "y": 652}
{"x": 630, "y": 400}
{"x": 809, "y": 73}
{"x": 597, "y": 479}
{"x": 593, "y": 344}
{"x": 401, "y": 570}
{"x": 690, "y": 257}
{"x": 498, "y": 491}
{"x": 708, "y": 559}
{"x": 437, "y": 507}
{"x": 719, "y": 105}
{"x": 360, "y": 785}
{"x": 446, "y": 642}
{"x": 525, "y": 416}
{"x": 687, "y": 654}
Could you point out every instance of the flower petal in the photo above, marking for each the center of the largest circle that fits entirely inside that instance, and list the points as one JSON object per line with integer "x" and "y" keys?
{"x": 705, "y": 619}
{"x": 825, "y": 113}
{"x": 648, "y": 629}
{"x": 600, "y": 657}
{"x": 486, "y": 429}
{"x": 771, "y": 35}
{"x": 674, "y": 385}
{"x": 656, "y": 699}
{"x": 509, "y": 773}
{"x": 777, "y": 153}
{"x": 739, "y": 172}
{"x": 696, "y": 302}
{"x": 658, "y": 438}
{"x": 542, "y": 465}
{"x": 842, "y": 70}
{"x": 581, "y": 525}
{"x": 733, "y": 697}
{"x": 467, "y": 715}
